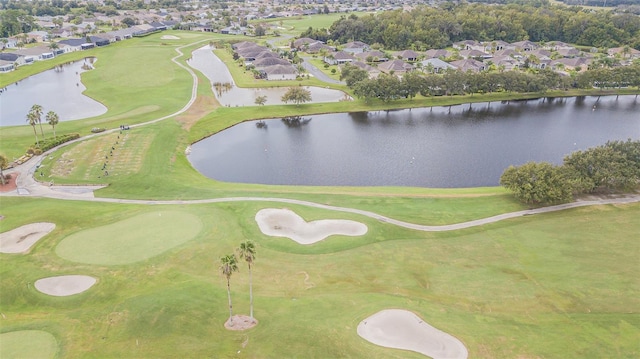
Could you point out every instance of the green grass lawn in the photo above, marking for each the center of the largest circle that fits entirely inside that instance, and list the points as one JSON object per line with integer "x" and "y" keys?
{"x": 558, "y": 285}
{"x": 28, "y": 344}
{"x": 543, "y": 286}
{"x": 131, "y": 240}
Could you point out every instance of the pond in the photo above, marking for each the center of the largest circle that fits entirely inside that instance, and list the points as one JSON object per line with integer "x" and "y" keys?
{"x": 460, "y": 146}
{"x": 58, "y": 90}
{"x": 205, "y": 61}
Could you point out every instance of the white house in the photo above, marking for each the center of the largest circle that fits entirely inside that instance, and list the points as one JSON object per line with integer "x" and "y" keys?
{"x": 280, "y": 72}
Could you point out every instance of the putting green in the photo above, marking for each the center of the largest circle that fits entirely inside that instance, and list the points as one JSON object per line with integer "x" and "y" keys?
{"x": 27, "y": 344}
{"x": 131, "y": 240}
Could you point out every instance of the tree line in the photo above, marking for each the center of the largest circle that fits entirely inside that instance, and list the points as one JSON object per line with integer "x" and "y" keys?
{"x": 388, "y": 87}
{"x": 613, "y": 167}
{"x": 438, "y": 27}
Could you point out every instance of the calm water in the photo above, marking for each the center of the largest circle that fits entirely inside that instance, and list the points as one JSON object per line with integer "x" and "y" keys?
{"x": 59, "y": 91}
{"x": 461, "y": 146}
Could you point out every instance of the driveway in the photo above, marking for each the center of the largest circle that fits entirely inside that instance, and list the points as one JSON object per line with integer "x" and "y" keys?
{"x": 315, "y": 72}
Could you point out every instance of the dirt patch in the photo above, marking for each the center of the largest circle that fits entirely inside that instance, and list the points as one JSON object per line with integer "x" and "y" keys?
{"x": 202, "y": 106}
{"x": 240, "y": 322}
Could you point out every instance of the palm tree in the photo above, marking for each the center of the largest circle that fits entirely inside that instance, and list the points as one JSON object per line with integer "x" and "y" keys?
{"x": 3, "y": 164}
{"x": 247, "y": 251}
{"x": 229, "y": 265}
{"x": 37, "y": 110}
{"x": 32, "y": 120}
{"x": 53, "y": 119}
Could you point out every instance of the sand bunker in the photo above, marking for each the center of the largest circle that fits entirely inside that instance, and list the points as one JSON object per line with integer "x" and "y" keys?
{"x": 286, "y": 223}
{"x": 169, "y": 37}
{"x": 402, "y": 329}
{"x": 21, "y": 239}
{"x": 65, "y": 285}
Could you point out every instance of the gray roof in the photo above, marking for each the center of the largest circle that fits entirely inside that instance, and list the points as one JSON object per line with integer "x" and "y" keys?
{"x": 280, "y": 70}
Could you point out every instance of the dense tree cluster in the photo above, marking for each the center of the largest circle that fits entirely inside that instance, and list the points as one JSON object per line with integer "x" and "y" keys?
{"x": 388, "y": 87}
{"x": 599, "y": 2}
{"x": 614, "y": 166}
{"x": 428, "y": 27}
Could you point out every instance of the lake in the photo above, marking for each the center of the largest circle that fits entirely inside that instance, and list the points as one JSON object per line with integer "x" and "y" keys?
{"x": 58, "y": 90}
{"x": 460, "y": 146}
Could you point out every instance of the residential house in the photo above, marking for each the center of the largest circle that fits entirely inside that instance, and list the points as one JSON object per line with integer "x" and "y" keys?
{"x": 469, "y": 65}
{"x": 499, "y": 45}
{"x": 474, "y": 54}
{"x": 70, "y": 45}
{"x": 624, "y": 52}
{"x": 280, "y": 72}
{"x": 7, "y": 66}
{"x": 119, "y": 35}
{"x": 570, "y": 64}
{"x": 37, "y": 53}
{"x": 468, "y": 45}
{"x": 38, "y": 36}
{"x": 372, "y": 71}
{"x": 437, "y": 53}
{"x": 508, "y": 52}
{"x": 397, "y": 67}
{"x": 143, "y": 29}
{"x": 15, "y": 59}
{"x": 506, "y": 63}
{"x": 525, "y": 46}
{"x": 355, "y": 47}
{"x": 557, "y": 45}
{"x": 570, "y": 52}
{"x": 301, "y": 42}
{"x": 408, "y": 55}
{"x": 372, "y": 56}
{"x": 57, "y": 33}
{"x": 12, "y": 42}
{"x": 316, "y": 47}
{"x": 269, "y": 61}
{"x": 435, "y": 65}
{"x": 338, "y": 58}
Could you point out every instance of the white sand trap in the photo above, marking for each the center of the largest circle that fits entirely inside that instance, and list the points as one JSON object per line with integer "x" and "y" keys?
{"x": 21, "y": 239}
{"x": 169, "y": 37}
{"x": 286, "y": 223}
{"x": 65, "y": 285}
{"x": 402, "y": 329}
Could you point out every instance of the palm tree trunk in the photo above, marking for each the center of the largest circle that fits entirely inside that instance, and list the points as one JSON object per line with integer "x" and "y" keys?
{"x": 230, "y": 307}
{"x": 54, "y": 132}
{"x": 41, "y": 131}
{"x": 36, "y": 134}
{"x": 250, "y": 294}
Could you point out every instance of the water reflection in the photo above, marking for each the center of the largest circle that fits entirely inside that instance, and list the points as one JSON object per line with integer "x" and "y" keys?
{"x": 228, "y": 94}
{"x": 58, "y": 90}
{"x": 456, "y": 146}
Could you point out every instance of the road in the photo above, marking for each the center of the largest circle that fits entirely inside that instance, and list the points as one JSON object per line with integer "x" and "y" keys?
{"x": 315, "y": 72}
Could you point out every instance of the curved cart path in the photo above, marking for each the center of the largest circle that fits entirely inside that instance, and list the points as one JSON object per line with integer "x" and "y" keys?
{"x": 28, "y": 186}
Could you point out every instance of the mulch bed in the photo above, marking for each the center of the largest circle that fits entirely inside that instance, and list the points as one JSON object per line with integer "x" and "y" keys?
{"x": 10, "y": 185}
